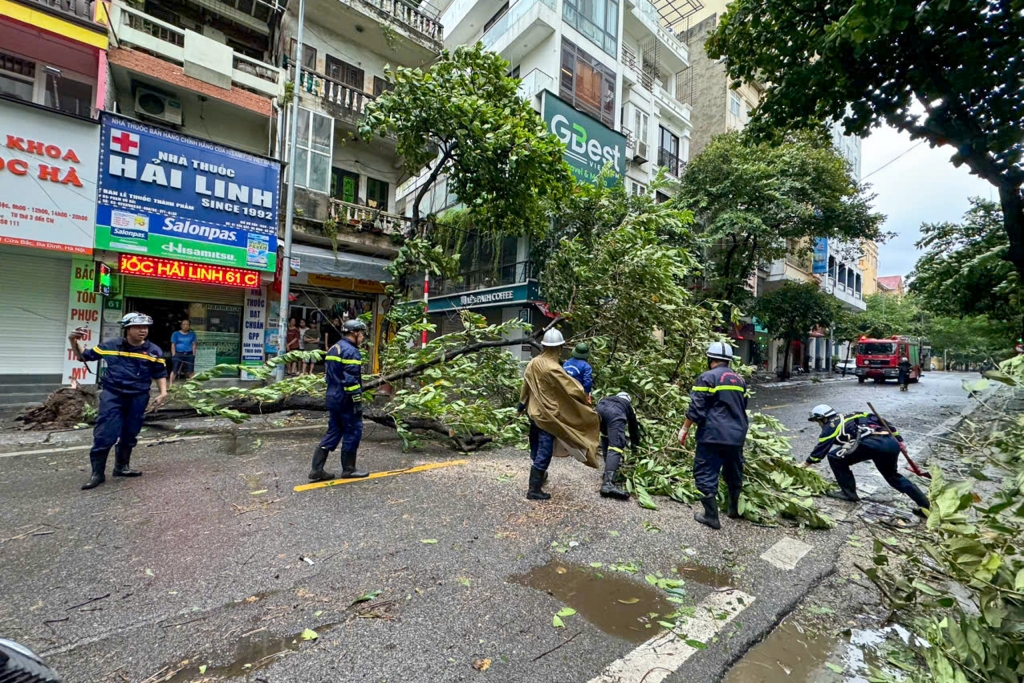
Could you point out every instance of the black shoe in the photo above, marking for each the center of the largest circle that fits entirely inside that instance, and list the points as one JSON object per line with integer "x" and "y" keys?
{"x": 843, "y": 495}
{"x": 317, "y": 472}
{"x": 93, "y": 482}
{"x": 122, "y": 460}
{"x": 734, "y": 505}
{"x": 536, "y": 482}
{"x": 922, "y": 512}
{"x": 98, "y": 463}
{"x": 348, "y": 467}
{"x": 610, "y": 490}
{"x": 710, "y": 516}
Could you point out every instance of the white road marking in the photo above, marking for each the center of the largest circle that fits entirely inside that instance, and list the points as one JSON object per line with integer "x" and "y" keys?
{"x": 786, "y": 553}
{"x": 662, "y": 655}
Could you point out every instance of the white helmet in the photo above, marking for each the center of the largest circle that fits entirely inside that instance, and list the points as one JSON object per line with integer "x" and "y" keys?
{"x": 553, "y": 338}
{"x": 133, "y": 319}
{"x": 821, "y": 411}
{"x": 623, "y": 394}
{"x": 719, "y": 351}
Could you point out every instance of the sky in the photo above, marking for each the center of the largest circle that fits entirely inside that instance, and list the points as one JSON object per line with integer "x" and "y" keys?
{"x": 922, "y": 186}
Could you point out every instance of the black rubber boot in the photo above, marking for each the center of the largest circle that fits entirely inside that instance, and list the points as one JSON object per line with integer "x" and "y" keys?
{"x": 710, "y": 516}
{"x": 317, "y": 471}
{"x": 122, "y": 460}
{"x": 843, "y": 494}
{"x": 536, "y": 482}
{"x": 98, "y": 461}
{"x": 348, "y": 466}
{"x": 609, "y": 489}
{"x": 734, "y": 503}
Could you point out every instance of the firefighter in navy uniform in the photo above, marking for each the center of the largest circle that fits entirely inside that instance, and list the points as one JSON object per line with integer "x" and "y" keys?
{"x": 617, "y": 414}
{"x": 858, "y": 438}
{"x": 132, "y": 363}
{"x": 344, "y": 368}
{"x": 718, "y": 406}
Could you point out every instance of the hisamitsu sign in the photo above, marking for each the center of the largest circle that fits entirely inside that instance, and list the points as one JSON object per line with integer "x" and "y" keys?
{"x": 166, "y": 269}
{"x": 170, "y": 195}
{"x": 589, "y": 144}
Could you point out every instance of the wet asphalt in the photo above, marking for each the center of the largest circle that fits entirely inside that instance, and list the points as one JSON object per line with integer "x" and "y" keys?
{"x": 199, "y": 563}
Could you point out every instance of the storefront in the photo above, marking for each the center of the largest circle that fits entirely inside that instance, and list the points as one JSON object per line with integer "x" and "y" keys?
{"x": 497, "y": 305}
{"x": 191, "y": 228}
{"x": 47, "y": 212}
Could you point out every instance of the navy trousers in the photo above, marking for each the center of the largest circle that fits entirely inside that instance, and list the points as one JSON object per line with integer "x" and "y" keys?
{"x": 886, "y": 456}
{"x": 542, "y": 446}
{"x": 118, "y": 421}
{"x": 613, "y": 442}
{"x": 344, "y": 427}
{"x": 714, "y": 459}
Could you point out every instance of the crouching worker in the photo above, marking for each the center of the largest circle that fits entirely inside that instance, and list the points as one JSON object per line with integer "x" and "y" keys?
{"x": 617, "y": 414}
{"x": 560, "y": 417}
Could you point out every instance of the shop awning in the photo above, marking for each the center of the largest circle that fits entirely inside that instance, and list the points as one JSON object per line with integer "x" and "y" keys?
{"x": 339, "y": 264}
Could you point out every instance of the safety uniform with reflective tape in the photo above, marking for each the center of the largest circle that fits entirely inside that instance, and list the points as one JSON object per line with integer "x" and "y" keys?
{"x": 344, "y": 368}
{"x": 843, "y": 429}
{"x": 128, "y": 369}
{"x": 718, "y": 406}
{"x": 617, "y": 415}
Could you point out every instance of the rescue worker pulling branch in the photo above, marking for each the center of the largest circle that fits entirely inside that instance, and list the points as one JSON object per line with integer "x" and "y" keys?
{"x": 344, "y": 369}
{"x": 578, "y": 367}
{"x": 132, "y": 363}
{"x": 718, "y": 406}
{"x": 616, "y": 413}
{"x": 849, "y": 439}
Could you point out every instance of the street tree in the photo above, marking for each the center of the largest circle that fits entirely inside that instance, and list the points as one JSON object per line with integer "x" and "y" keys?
{"x": 964, "y": 271}
{"x": 790, "y": 313}
{"x": 948, "y": 73}
{"x": 884, "y": 316}
{"x": 755, "y": 201}
{"x": 463, "y": 120}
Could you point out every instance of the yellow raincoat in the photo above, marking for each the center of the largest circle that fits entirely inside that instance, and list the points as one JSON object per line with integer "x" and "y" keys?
{"x": 557, "y": 404}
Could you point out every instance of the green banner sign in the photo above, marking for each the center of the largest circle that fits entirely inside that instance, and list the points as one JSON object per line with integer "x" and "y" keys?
{"x": 589, "y": 144}
{"x": 152, "y": 244}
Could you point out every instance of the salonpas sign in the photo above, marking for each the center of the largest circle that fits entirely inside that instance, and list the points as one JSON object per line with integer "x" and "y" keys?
{"x": 589, "y": 144}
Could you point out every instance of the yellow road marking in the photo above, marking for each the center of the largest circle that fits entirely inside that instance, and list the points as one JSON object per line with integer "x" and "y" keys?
{"x": 378, "y": 475}
{"x": 767, "y": 408}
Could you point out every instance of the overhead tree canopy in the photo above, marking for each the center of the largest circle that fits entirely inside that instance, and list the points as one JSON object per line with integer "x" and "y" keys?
{"x": 793, "y": 310}
{"x": 753, "y": 202}
{"x": 946, "y": 72}
{"x": 884, "y": 316}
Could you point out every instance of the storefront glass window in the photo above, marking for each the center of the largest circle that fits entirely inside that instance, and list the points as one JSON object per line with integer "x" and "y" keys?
{"x": 218, "y": 328}
{"x": 313, "y": 155}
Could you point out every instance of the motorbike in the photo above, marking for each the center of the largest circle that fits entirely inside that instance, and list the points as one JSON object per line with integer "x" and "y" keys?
{"x": 18, "y": 663}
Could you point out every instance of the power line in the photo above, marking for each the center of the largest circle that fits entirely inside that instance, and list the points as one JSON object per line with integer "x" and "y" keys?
{"x": 897, "y": 157}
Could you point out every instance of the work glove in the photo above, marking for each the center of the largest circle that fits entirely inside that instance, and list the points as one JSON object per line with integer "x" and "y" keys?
{"x": 683, "y": 433}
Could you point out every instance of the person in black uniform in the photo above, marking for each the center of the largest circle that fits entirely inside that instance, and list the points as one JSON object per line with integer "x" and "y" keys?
{"x": 344, "y": 369}
{"x": 858, "y": 438}
{"x": 904, "y": 373}
{"x": 718, "y": 406}
{"x": 132, "y": 363}
{"x": 616, "y": 413}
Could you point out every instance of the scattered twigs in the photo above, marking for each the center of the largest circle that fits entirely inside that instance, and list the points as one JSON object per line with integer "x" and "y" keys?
{"x": 88, "y": 602}
{"x": 562, "y": 644}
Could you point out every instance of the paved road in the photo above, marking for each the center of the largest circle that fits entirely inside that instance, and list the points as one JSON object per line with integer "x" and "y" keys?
{"x": 200, "y": 563}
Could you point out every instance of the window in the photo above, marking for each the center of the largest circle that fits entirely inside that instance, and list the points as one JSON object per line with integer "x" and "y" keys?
{"x": 308, "y": 56}
{"x": 344, "y": 72}
{"x": 587, "y": 85}
{"x": 596, "y": 19}
{"x": 636, "y": 189}
{"x": 68, "y": 95}
{"x": 31, "y": 81}
{"x": 376, "y": 194}
{"x": 668, "y": 151}
{"x": 640, "y": 128}
{"x": 380, "y": 86}
{"x": 495, "y": 17}
{"x": 17, "y": 77}
{"x": 313, "y": 153}
{"x": 345, "y": 185}
{"x": 735, "y": 105}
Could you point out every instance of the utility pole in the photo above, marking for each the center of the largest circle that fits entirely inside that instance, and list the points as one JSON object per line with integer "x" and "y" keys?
{"x": 289, "y": 219}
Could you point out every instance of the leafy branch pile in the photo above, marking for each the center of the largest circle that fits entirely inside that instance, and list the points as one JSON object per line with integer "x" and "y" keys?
{"x": 960, "y": 580}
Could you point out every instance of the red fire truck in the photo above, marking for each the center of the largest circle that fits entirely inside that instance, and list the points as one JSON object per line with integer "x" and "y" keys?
{"x": 879, "y": 359}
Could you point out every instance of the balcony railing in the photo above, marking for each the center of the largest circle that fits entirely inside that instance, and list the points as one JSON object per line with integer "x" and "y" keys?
{"x": 409, "y": 16}
{"x": 509, "y": 274}
{"x": 83, "y": 10}
{"x": 369, "y": 219}
{"x": 351, "y": 101}
{"x": 256, "y": 68}
{"x": 633, "y": 64}
{"x": 678, "y": 109}
{"x": 151, "y": 26}
{"x": 534, "y": 82}
{"x": 512, "y": 15}
{"x": 671, "y": 163}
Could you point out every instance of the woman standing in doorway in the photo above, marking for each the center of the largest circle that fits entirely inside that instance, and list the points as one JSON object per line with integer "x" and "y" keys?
{"x": 310, "y": 342}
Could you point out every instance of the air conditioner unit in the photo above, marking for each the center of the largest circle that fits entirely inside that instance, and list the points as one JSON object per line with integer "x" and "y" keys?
{"x": 157, "y": 106}
{"x": 641, "y": 152}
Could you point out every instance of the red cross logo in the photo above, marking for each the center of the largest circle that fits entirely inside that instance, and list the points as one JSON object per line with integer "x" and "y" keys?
{"x": 124, "y": 142}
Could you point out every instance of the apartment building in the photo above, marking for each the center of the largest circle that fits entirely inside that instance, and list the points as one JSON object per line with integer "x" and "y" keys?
{"x": 609, "y": 67}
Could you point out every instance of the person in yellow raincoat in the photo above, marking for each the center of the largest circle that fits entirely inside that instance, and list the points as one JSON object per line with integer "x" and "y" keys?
{"x": 561, "y": 419}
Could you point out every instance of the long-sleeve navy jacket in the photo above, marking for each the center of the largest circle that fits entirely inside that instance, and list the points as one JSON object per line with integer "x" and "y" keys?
{"x": 129, "y": 369}
{"x": 842, "y": 429}
{"x": 718, "y": 406}
{"x": 344, "y": 366}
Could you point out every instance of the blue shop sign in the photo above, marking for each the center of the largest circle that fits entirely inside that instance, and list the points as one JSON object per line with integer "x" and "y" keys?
{"x": 486, "y": 298}
{"x": 819, "y": 263}
{"x": 165, "y": 194}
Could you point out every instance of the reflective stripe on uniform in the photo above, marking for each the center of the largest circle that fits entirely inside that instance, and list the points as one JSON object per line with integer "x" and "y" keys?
{"x": 129, "y": 354}
{"x": 354, "y": 387}
{"x": 344, "y": 361}
{"x": 840, "y": 426}
{"x": 337, "y": 358}
{"x": 715, "y": 390}
{"x": 616, "y": 449}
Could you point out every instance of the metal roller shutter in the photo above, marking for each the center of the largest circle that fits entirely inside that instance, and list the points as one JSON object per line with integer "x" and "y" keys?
{"x": 153, "y": 288}
{"x": 33, "y": 315}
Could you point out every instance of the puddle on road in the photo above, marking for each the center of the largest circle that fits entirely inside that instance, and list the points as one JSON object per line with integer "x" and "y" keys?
{"x": 707, "y": 576}
{"x": 790, "y": 654}
{"x": 601, "y": 598}
{"x": 252, "y": 653}
{"x": 243, "y": 443}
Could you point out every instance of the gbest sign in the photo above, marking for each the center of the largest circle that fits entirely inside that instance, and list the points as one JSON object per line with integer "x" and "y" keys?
{"x": 589, "y": 144}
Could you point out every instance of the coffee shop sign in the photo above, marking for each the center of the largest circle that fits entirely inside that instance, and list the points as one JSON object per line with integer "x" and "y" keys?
{"x": 486, "y": 298}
